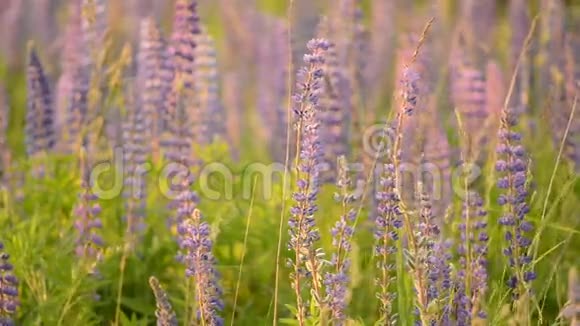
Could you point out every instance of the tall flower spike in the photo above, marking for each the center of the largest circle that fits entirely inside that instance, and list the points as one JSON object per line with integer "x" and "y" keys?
{"x": 94, "y": 23}
{"x": 71, "y": 56}
{"x": 386, "y": 233}
{"x": 334, "y": 114}
{"x": 272, "y": 80}
{"x": 8, "y": 290}
{"x": 196, "y": 253}
{"x": 76, "y": 79}
{"x": 303, "y": 231}
{"x": 87, "y": 211}
{"x": 337, "y": 281}
{"x": 410, "y": 96}
{"x": 40, "y": 115}
{"x": 153, "y": 83}
{"x": 512, "y": 168}
{"x": 425, "y": 265}
{"x": 134, "y": 145}
{"x": 181, "y": 110}
{"x": 207, "y": 87}
{"x": 468, "y": 94}
{"x": 472, "y": 250}
{"x": 186, "y": 201}
{"x": 164, "y": 312}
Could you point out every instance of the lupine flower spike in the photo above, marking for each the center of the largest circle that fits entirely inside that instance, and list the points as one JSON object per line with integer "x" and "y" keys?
{"x": 335, "y": 114}
{"x": 8, "y": 290}
{"x": 71, "y": 57}
{"x": 40, "y": 135}
{"x": 512, "y": 168}
{"x": 272, "y": 83}
{"x": 196, "y": 253}
{"x": 164, "y": 312}
{"x": 87, "y": 211}
{"x": 76, "y": 95}
{"x": 135, "y": 150}
{"x": 303, "y": 231}
{"x": 386, "y": 232}
{"x": 153, "y": 84}
{"x": 207, "y": 88}
{"x": 429, "y": 265}
{"x": 181, "y": 111}
{"x": 337, "y": 281}
{"x": 472, "y": 250}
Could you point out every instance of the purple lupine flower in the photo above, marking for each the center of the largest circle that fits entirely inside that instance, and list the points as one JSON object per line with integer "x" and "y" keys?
{"x": 386, "y": 232}
{"x": 334, "y": 115}
{"x": 135, "y": 157}
{"x": 472, "y": 250}
{"x": 426, "y": 267}
{"x": 207, "y": 87}
{"x": 88, "y": 224}
{"x": 303, "y": 231}
{"x": 71, "y": 55}
{"x": 186, "y": 200}
{"x": 164, "y": 312}
{"x": 409, "y": 90}
{"x": 181, "y": 111}
{"x": 8, "y": 290}
{"x": 468, "y": 95}
{"x": 78, "y": 71}
{"x": 512, "y": 168}
{"x": 40, "y": 134}
{"x": 337, "y": 281}
{"x": 196, "y": 253}
{"x": 77, "y": 108}
{"x": 94, "y": 24}
{"x": 343, "y": 20}
{"x": 411, "y": 87}
{"x": 441, "y": 285}
{"x": 272, "y": 85}
{"x": 153, "y": 84}
{"x": 183, "y": 42}
{"x": 360, "y": 55}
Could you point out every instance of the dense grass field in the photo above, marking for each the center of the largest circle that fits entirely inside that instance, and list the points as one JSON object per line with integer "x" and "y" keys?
{"x": 289, "y": 162}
